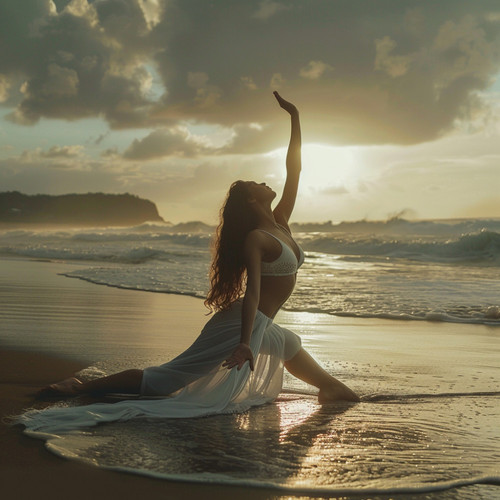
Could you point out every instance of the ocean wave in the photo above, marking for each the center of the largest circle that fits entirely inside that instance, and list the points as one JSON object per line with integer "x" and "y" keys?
{"x": 138, "y": 255}
{"x": 194, "y": 286}
{"x": 489, "y": 315}
{"x": 481, "y": 247}
{"x": 401, "y": 227}
{"x": 224, "y": 480}
{"x": 188, "y": 239}
{"x": 149, "y": 232}
{"x": 295, "y": 446}
{"x": 398, "y": 398}
{"x": 161, "y": 288}
{"x": 401, "y": 455}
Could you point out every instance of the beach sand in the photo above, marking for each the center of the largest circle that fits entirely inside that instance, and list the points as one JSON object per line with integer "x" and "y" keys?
{"x": 28, "y": 470}
{"x": 36, "y": 299}
{"x": 53, "y": 326}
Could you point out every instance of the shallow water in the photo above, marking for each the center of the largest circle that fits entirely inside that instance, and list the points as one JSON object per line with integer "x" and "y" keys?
{"x": 431, "y": 271}
{"x": 428, "y": 421}
{"x": 386, "y": 447}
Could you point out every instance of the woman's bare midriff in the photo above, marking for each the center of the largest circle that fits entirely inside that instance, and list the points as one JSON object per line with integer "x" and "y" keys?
{"x": 274, "y": 292}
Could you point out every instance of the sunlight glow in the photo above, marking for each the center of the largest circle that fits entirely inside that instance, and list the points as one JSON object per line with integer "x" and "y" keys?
{"x": 330, "y": 167}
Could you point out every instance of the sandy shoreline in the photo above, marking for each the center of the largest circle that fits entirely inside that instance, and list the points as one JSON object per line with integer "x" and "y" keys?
{"x": 27, "y": 469}
{"x": 53, "y": 326}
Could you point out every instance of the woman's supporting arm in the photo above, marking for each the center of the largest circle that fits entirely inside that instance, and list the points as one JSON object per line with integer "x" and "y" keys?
{"x": 284, "y": 209}
{"x": 253, "y": 258}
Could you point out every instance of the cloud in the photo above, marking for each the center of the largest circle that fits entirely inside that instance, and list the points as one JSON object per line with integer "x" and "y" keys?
{"x": 182, "y": 188}
{"x": 314, "y": 70}
{"x": 165, "y": 142}
{"x": 68, "y": 169}
{"x": 244, "y": 138}
{"x": 101, "y": 137}
{"x": 197, "y": 80}
{"x": 464, "y": 52}
{"x": 32, "y": 175}
{"x": 384, "y": 59}
{"x": 267, "y": 9}
{"x": 277, "y": 81}
{"x": 252, "y": 138}
{"x": 247, "y": 138}
{"x": 57, "y": 157}
{"x": 63, "y": 152}
{"x": 404, "y": 72}
{"x": 81, "y": 59}
{"x": 60, "y": 83}
{"x": 486, "y": 208}
{"x": 4, "y": 88}
{"x": 333, "y": 190}
{"x": 248, "y": 82}
{"x": 202, "y": 189}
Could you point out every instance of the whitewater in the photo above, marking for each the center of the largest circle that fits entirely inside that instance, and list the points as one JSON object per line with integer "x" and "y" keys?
{"x": 405, "y": 312}
{"x": 412, "y": 270}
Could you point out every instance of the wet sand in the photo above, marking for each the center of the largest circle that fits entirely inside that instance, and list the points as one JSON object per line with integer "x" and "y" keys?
{"x": 54, "y": 309}
{"x": 52, "y": 326}
{"x": 28, "y": 470}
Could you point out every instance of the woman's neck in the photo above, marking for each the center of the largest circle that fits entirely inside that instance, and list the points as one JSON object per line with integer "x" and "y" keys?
{"x": 265, "y": 217}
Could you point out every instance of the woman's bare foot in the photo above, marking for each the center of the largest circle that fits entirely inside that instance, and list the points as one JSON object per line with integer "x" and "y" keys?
{"x": 68, "y": 387}
{"x": 336, "y": 392}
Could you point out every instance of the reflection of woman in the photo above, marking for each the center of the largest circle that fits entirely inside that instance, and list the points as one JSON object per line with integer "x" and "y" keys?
{"x": 252, "y": 275}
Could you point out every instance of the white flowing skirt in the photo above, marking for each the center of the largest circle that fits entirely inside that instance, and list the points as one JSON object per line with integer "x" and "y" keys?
{"x": 195, "y": 382}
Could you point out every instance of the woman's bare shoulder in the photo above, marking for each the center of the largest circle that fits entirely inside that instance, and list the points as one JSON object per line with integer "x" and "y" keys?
{"x": 255, "y": 237}
{"x": 281, "y": 221}
{"x": 255, "y": 245}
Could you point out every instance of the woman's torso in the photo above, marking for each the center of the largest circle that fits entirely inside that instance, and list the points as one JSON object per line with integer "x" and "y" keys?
{"x": 281, "y": 261}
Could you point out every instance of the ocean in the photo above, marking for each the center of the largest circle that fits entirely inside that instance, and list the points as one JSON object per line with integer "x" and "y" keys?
{"x": 405, "y": 312}
{"x": 430, "y": 270}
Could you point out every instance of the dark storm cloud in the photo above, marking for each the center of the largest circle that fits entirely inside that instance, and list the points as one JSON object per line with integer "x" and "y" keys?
{"x": 75, "y": 61}
{"x": 385, "y": 71}
{"x": 364, "y": 72}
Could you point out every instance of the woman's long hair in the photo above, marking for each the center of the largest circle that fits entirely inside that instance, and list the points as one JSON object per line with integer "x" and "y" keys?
{"x": 227, "y": 272}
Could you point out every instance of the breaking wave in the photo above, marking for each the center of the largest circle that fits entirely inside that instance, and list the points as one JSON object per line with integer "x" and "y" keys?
{"x": 482, "y": 247}
{"x": 137, "y": 255}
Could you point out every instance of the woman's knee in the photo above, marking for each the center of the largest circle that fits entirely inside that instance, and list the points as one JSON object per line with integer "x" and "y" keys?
{"x": 293, "y": 345}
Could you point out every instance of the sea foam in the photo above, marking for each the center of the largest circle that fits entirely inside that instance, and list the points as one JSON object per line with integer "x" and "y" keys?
{"x": 402, "y": 270}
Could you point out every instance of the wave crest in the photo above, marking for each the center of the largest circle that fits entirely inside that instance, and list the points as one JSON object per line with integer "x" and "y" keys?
{"x": 483, "y": 246}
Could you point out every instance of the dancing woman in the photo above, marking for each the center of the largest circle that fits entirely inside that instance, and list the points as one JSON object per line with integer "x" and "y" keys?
{"x": 252, "y": 275}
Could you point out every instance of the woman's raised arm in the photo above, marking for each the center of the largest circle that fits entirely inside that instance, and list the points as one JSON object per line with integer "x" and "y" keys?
{"x": 284, "y": 209}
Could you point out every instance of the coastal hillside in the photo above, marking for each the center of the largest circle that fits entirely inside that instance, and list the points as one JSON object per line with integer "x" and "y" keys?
{"x": 96, "y": 209}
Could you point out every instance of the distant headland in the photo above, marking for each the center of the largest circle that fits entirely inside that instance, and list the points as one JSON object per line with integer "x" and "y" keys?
{"x": 91, "y": 209}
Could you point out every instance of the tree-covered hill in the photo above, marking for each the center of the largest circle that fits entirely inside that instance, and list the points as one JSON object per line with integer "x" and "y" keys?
{"x": 96, "y": 209}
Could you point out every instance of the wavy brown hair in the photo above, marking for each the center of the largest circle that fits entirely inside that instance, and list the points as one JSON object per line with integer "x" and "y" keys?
{"x": 228, "y": 272}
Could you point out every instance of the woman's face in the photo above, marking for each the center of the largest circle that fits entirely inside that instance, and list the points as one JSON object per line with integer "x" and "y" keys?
{"x": 260, "y": 192}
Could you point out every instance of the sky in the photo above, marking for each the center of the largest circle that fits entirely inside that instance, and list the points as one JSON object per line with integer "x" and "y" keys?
{"x": 172, "y": 100}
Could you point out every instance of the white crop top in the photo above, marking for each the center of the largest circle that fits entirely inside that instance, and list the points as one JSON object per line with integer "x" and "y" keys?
{"x": 286, "y": 264}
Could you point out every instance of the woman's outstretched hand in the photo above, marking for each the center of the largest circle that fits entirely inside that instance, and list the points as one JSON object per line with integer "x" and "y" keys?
{"x": 286, "y": 105}
{"x": 241, "y": 354}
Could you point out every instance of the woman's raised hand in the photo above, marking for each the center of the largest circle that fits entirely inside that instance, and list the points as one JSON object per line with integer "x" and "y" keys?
{"x": 241, "y": 354}
{"x": 286, "y": 105}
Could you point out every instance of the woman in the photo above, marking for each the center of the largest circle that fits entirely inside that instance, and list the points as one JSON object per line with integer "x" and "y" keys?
{"x": 252, "y": 275}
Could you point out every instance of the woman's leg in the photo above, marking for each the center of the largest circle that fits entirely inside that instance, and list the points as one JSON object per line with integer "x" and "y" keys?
{"x": 127, "y": 382}
{"x": 304, "y": 367}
